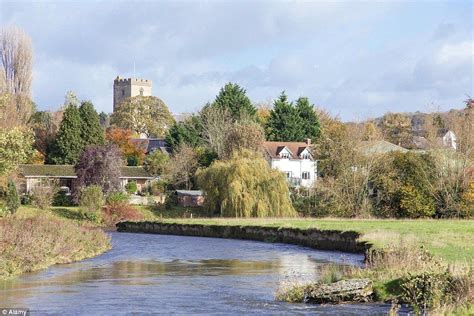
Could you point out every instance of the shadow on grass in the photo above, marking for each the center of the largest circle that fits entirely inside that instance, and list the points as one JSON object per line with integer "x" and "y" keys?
{"x": 67, "y": 213}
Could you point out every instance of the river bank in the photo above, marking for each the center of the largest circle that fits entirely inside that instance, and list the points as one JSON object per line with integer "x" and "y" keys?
{"x": 32, "y": 243}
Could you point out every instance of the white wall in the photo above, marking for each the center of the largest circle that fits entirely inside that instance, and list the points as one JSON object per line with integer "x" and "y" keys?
{"x": 297, "y": 167}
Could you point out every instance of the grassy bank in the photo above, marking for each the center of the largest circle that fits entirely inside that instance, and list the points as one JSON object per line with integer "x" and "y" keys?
{"x": 31, "y": 241}
{"x": 451, "y": 240}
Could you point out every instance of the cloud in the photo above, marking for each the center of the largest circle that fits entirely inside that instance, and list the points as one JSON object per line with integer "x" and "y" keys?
{"x": 354, "y": 59}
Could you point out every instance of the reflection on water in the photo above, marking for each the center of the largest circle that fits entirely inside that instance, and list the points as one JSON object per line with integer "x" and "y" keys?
{"x": 173, "y": 274}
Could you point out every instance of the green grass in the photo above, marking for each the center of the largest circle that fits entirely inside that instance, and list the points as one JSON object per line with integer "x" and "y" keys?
{"x": 451, "y": 240}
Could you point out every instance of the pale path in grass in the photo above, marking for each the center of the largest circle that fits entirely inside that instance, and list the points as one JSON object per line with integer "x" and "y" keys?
{"x": 175, "y": 274}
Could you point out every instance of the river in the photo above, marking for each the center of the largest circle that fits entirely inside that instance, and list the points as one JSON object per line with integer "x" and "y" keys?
{"x": 148, "y": 274}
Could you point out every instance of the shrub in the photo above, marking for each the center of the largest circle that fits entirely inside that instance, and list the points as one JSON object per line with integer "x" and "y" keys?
{"x": 12, "y": 199}
{"x": 62, "y": 199}
{"x": 116, "y": 197}
{"x": 43, "y": 195}
{"x": 91, "y": 200}
{"x": 26, "y": 199}
{"x": 119, "y": 211}
{"x": 131, "y": 187}
{"x": 157, "y": 187}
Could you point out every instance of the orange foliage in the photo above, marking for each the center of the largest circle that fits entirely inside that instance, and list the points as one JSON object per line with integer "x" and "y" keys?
{"x": 123, "y": 139}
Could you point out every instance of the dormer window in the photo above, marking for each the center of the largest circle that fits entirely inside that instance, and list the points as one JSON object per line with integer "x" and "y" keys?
{"x": 305, "y": 156}
{"x": 285, "y": 155}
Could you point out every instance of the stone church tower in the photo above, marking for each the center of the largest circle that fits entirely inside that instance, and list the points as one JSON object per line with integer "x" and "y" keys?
{"x": 130, "y": 87}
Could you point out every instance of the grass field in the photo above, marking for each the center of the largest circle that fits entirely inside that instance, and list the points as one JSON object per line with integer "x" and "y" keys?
{"x": 451, "y": 240}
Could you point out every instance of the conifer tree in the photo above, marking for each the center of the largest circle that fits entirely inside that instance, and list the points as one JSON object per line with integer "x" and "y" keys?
{"x": 234, "y": 98}
{"x": 309, "y": 119}
{"x": 68, "y": 144}
{"x": 12, "y": 198}
{"x": 91, "y": 130}
{"x": 284, "y": 123}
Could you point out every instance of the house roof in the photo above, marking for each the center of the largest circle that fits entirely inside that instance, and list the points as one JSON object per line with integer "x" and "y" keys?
{"x": 189, "y": 192}
{"x": 380, "y": 147}
{"x": 67, "y": 171}
{"x": 62, "y": 171}
{"x": 149, "y": 145}
{"x": 273, "y": 149}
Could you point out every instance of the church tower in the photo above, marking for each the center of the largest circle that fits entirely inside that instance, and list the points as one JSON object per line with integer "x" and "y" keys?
{"x": 130, "y": 87}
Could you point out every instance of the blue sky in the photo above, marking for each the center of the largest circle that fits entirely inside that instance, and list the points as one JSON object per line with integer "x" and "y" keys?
{"x": 356, "y": 59}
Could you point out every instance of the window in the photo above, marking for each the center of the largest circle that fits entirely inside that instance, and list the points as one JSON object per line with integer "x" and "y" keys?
{"x": 141, "y": 91}
{"x": 306, "y": 156}
{"x": 123, "y": 92}
{"x": 288, "y": 174}
{"x": 285, "y": 155}
{"x": 306, "y": 175}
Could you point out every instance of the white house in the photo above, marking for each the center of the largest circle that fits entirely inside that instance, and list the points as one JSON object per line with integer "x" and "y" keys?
{"x": 294, "y": 159}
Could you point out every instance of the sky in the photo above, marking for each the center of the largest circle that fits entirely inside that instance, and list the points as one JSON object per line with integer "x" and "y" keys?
{"x": 355, "y": 59}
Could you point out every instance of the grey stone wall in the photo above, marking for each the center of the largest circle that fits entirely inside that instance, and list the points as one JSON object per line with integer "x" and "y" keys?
{"x": 313, "y": 238}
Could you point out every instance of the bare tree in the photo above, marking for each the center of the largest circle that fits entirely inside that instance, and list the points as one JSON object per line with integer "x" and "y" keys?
{"x": 16, "y": 55}
{"x": 216, "y": 123}
{"x": 182, "y": 166}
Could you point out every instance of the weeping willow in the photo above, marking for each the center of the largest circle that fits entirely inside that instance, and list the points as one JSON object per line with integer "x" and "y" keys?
{"x": 245, "y": 186}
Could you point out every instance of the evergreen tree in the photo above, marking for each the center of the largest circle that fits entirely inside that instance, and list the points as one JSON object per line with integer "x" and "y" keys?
{"x": 12, "y": 198}
{"x": 91, "y": 130}
{"x": 284, "y": 123}
{"x": 234, "y": 98}
{"x": 309, "y": 119}
{"x": 68, "y": 144}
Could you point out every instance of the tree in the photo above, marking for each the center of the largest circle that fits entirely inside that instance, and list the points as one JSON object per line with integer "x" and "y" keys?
{"x": 68, "y": 144}
{"x": 188, "y": 131}
{"x": 104, "y": 120}
{"x": 284, "y": 123}
{"x": 216, "y": 123}
{"x": 16, "y": 55}
{"x": 15, "y": 148}
{"x": 155, "y": 163}
{"x": 99, "y": 165}
{"x": 309, "y": 119}
{"x": 12, "y": 198}
{"x": 15, "y": 110}
{"x": 403, "y": 182}
{"x": 182, "y": 166}
{"x": 396, "y": 128}
{"x": 91, "y": 130}
{"x": 245, "y": 135}
{"x": 143, "y": 115}
{"x": 122, "y": 138}
{"x": 245, "y": 186}
{"x": 45, "y": 131}
{"x": 234, "y": 98}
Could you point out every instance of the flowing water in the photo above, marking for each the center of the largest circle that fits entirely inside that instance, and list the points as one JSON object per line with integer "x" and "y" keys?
{"x": 149, "y": 274}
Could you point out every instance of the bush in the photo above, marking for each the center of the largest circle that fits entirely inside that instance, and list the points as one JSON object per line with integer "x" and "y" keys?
{"x": 131, "y": 187}
{"x": 120, "y": 211}
{"x": 62, "y": 199}
{"x": 12, "y": 198}
{"x": 26, "y": 199}
{"x": 91, "y": 200}
{"x": 116, "y": 197}
{"x": 43, "y": 196}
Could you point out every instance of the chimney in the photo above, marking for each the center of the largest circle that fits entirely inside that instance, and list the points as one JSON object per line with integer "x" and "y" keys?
{"x": 308, "y": 141}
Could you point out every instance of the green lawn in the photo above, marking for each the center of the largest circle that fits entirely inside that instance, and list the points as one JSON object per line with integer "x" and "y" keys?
{"x": 452, "y": 240}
